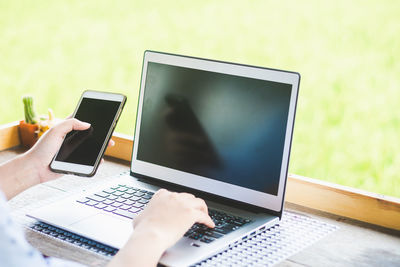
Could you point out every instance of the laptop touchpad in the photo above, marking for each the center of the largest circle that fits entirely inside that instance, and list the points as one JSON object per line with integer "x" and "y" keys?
{"x": 104, "y": 228}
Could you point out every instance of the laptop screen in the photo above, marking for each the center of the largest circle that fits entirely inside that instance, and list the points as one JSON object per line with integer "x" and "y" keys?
{"x": 220, "y": 126}
{"x": 217, "y": 127}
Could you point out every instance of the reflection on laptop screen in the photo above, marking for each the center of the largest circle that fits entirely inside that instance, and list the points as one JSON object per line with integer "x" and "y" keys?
{"x": 219, "y": 126}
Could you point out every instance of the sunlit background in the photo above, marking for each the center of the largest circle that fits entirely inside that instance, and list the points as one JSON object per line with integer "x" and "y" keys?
{"x": 348, "y": 53}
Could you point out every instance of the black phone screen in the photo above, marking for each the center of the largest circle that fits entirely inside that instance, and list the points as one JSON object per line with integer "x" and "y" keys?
{"x": 83, "y": 147}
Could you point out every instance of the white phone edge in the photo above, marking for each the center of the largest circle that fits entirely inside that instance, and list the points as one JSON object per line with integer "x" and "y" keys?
{"x": 87, "y": 170}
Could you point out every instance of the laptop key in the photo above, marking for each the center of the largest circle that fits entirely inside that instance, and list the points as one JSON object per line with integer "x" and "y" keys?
{"x": 129, "y": 202}
{"x": 109, "y": 191}
{"x": 223, "y": 230}
{"x": 134, "y": 198}
{"x": 134, "y": 188}
{"x": 230, "y": 226}
{"x": 100, "y": 206}
{"x": 125, "y": 195}
{"x": 238, "y": 223}
{"x": 120, "y": 199}
{"x": 83, "y": 200}
{"x": 147, "y": 196}
{"x": 196, "y": 236}
{"x": 135, "y": 210}
{"x": 213, "y": 234}
{"x": 206, "y": 239}
{"x": 143, "y": 201}
{"x": 108, "y": 202}
{"x": 138, "y": 194}
{"x": 137, "y": 205}
{"x": 109, "y": 209}
{"x": 118, "y": 193}
{"x": 96, "y": 198}
{"x": 112, "y": 197}
{"x": 116, "y": 204}
{"x": 123, "y": 189}
{"x": 125, "y": 207}
{"x": 53, "y": 234}
{"x": 91, "y": 203}
{"x": 102, "y": 194}
{"x": 130, "y": 191}
{"x": 188, "y": 233}
{"x": 125, "y": 213}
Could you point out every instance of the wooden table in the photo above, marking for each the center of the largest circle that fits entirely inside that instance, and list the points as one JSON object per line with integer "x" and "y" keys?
{"x": 354, "y": 244}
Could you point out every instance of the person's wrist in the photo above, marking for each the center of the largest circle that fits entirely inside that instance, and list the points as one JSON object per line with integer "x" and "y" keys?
{"x": 155, "y": 236}
{"x": 150, "y": 237}
{"x": 32, "y": 166}
{"x": 143, "y": 248}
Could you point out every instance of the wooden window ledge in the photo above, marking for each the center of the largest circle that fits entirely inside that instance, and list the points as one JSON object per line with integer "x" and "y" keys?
{"x": 311, "y": 193}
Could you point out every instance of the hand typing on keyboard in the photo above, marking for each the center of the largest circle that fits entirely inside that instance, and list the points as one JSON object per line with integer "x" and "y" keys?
{"x": 129, "y": 202}
{"x": 160, "y": 225}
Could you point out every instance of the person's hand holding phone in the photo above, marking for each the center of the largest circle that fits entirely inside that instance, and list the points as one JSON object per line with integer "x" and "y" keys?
{"x": 81, "y": 151}
{"x": 44, "y": 150}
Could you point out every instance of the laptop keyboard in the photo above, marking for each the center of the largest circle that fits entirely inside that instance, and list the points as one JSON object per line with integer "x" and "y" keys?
{"x": 128, "y": 201}
{"x": 224, "y": 224}
{"x": 122, "y": 200}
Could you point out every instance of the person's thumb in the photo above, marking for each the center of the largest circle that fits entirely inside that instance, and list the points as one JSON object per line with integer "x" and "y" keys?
{"x": 80, "y": 125}
{"x": 71, "y": 124}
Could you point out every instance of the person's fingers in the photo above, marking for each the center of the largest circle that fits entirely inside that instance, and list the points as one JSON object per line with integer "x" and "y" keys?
{"x": 111, "y": 143}
{"x": 187, "y": 195}
{"x": 161, "y": 191}
{"x": 204, "y": 218}
{"x": 201, "y": 205}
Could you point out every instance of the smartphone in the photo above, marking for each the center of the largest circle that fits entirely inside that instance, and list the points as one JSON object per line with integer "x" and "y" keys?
{"x": 81, "y": 151}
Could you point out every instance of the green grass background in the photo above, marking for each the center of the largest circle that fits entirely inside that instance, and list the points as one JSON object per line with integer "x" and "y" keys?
{"x": 348, "y": 120}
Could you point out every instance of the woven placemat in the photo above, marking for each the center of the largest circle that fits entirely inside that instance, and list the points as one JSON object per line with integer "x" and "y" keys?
{"x": 273, "y": 245}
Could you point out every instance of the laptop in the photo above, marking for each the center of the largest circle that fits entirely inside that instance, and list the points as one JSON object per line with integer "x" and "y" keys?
{"x": 219, "y": 130}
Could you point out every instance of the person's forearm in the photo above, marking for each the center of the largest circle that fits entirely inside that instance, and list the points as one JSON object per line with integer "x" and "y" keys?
{"x": 17, "y": 175}
{"x": 142, "y": 249}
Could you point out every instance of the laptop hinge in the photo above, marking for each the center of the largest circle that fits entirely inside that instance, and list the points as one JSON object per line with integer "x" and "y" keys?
{"x": 204, "y": 195}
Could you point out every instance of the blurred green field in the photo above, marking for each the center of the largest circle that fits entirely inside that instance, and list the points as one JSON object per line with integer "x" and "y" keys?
{"x": 348, "y": 53}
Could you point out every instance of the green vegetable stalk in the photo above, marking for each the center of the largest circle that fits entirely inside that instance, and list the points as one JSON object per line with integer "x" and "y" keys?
{"x": 30, "y": 116}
